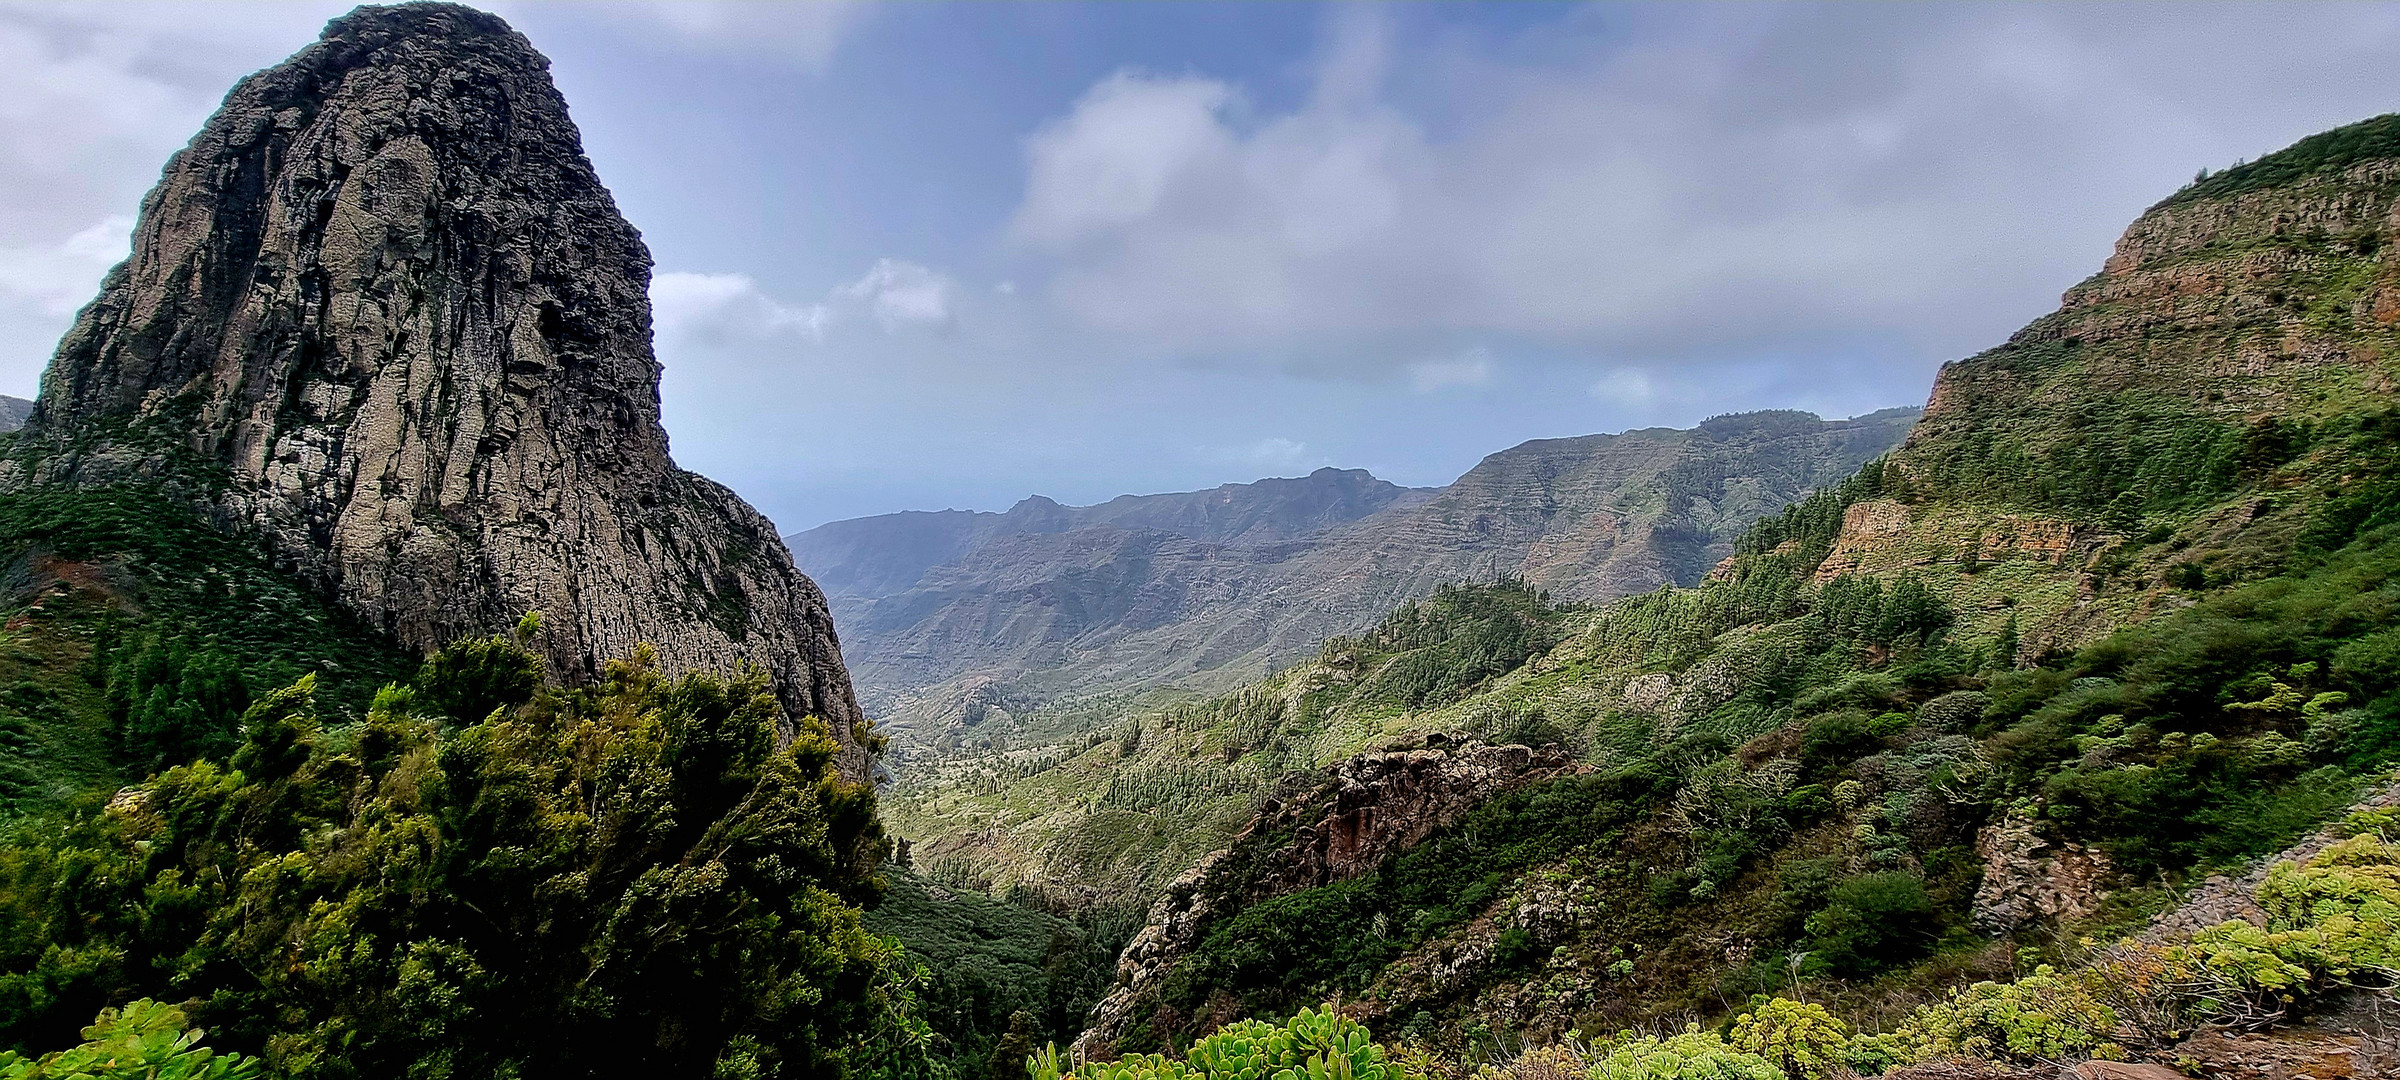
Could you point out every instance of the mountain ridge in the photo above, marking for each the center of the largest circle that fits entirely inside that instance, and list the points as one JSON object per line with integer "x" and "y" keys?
{"x": 1046, "y": 604}
{"x": 910, "y": 542}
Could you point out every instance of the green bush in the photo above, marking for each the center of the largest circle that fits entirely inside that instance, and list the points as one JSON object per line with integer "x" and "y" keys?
{"x": 1871, "y": 922}
{"x": 1692, "y": 1055}
{"x": 142, "y": 1041}
{"x": 2045, "y": 1018}
{"x": 1835, "y": 740}
{"x": 2344, "y": 904}
{"x": 632, "y": 875}
{"x": 1315, "y": 1044}
{"x": 2330, "y": 920}
{"x": 1801, "y": 1038}
{"x": 1956, "y": 712}
{"x": 171, "y": 700}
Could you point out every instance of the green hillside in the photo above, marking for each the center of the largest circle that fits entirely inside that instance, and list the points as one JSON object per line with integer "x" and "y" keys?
{"x": 2118, "y": 608}
{"x": 136, "y": 634}
{"x": 1126, "y": 807}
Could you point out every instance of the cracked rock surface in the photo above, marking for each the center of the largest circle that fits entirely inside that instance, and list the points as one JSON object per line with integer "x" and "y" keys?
{"x": 382, "y": 315}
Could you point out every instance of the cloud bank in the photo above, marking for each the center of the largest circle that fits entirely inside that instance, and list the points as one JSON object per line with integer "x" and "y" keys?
{"x": 1673, "y": 185}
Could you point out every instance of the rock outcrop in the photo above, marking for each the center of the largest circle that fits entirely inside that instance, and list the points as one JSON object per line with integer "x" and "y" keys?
{"x": 1358, "y": 813}
{"x": 382, "y": 315}
{"x": 2028, "y": 879}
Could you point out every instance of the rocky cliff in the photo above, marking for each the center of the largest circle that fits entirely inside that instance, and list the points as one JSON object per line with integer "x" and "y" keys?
{"x": 381, "y": 315}
{"x": 2239, "y": 338}
{"x": 1357, "y": 814}
{"x": 950, "y": 613}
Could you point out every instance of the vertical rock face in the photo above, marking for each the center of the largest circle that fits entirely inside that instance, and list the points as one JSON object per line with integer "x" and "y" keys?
{"x": 382, "y": 313}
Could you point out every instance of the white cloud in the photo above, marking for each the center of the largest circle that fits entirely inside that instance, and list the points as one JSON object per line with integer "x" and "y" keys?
{"x": 723, "y": 307}
{"x": 898, "y": 292}
{"x": 1472, "y": 369}
{"x": 92, "y": 98}
{"x": 1696, "y": 183}
{"x": 58, "y": 278}
{"x": 1133, "y": 144}
{"x": 1173, "y": 217}
{"x": 719, "y": 309}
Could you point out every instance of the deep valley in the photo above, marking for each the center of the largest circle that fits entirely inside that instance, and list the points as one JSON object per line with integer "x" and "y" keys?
{"x": 379, "y": 698}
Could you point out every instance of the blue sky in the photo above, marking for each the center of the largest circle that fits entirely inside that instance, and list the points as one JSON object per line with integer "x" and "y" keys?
{"x": 917, "y": 256}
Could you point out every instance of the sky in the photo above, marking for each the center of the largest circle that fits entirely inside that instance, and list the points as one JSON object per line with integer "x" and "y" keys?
{"x": 927, "y": 256}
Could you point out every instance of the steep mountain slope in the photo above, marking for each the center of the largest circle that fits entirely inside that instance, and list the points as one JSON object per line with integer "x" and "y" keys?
{"x": 953, "y": 619}
{"x": 2240, "y": 339}
{"x": 2124, "y": 610}
{"x": 382, "y": 317}
{"x": 13, "y": 412}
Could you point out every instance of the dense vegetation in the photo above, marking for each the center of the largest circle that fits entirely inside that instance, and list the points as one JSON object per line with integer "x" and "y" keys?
{"x": 1824, "y": 800}
{"x": 2332, "y": 925}
{"x": 139, "y": 632}
{"x": 1122, "y": 807}
{"x": 1443, "y": 648}
{"x": 144, "y": 1040}
{"x": 480, "y": 876}
{"x": 1304, "y": 946}
{"x": 997, "y": 977}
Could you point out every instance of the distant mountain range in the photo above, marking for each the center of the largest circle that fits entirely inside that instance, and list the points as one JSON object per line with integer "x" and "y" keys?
{"x": 951, "y": 618}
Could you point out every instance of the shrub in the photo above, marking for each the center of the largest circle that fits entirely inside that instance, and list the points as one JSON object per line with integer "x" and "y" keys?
{"x": 1559, "y": 1062}
{"x": 2045, "y": 1018}
{"x": 1836, "y": 739}
{"x": 1802, "y": 1039}
{"x": 2329, "y": 920}
{"x": 142, "y": 1041}
{"x": 1953, "y": 712}
{"x": 1692, "y": 1055}
{"x": 1316, "y": 1044}
{"x": 1871, "y": 922}
{"x": 2341, "y": 909}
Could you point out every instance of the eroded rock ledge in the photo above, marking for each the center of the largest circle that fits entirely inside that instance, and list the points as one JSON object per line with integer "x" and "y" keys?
{"x": 1361, "y": 812}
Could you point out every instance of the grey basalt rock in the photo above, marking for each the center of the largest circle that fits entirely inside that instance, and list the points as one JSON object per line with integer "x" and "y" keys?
{"x": 382, "y": 314}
